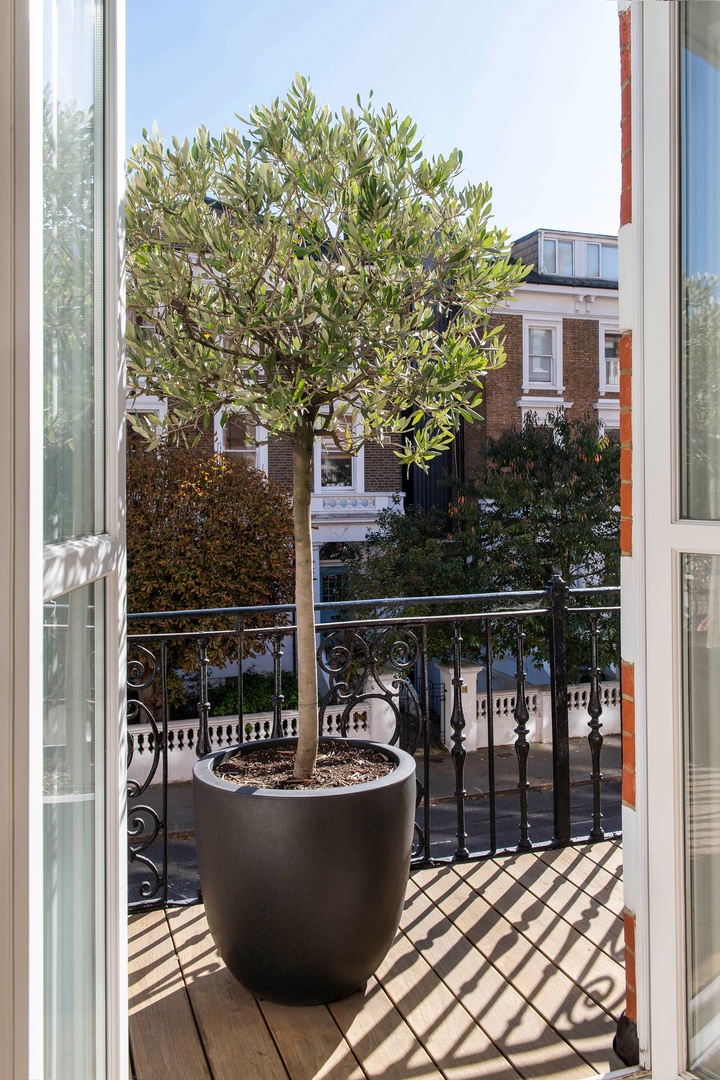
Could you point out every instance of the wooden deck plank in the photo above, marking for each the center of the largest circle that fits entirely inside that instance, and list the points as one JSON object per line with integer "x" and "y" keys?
{"x": 310, "y": 1042}
{"x": 608, "y": 854}
{"x": 232, "y": 1027}
{"x": 460, "y": 1049}
{"x": 602, "y": 978}
{"x": 560, "y": 1001}
{"x": 588, "y": 876}
{"x": 380, "y": 1038}
{"x": 504, "y": 968}
{"x": 595, "y": 921}
{"x": 513, "y": 1025}
{"x": 164, "y": 1040}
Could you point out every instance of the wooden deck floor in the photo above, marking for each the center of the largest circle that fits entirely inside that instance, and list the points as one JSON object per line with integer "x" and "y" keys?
{"x": 506, "y": 968}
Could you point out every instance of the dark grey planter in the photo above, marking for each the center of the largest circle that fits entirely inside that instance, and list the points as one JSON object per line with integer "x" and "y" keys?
{"x": 303, "y": 890}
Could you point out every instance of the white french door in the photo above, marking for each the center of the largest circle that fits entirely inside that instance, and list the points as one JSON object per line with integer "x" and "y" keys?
{"x": 674, "y": 576}
{"x": 63, "y": 957}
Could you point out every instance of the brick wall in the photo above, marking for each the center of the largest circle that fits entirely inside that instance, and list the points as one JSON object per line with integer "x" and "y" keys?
{"x": 503, "y": 388}
{"x": 383, "y": 471}
{"x": 280, "y": 460}
{"x": 581, "y": 364}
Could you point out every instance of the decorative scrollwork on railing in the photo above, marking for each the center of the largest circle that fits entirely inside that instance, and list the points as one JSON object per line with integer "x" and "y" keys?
{"x": 144, "y": 826}
{"x": 374, "y": 667}
{"x": 139, "y": 713}
{"x": 141, "y": 670}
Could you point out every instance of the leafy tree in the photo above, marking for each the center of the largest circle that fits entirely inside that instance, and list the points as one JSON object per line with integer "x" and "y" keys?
{"x": 204, "y": 531}
{"x": 546, "y": 503}
{"x": 321, "y": 274}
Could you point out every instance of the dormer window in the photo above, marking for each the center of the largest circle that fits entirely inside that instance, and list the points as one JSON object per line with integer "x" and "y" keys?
{"x": 558, "y": 257}
{"x": 602, "y": 261}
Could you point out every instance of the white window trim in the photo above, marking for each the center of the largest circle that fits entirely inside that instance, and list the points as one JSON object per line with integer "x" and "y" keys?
{"x": 261, "y": 445}
{"x": 147, "y": 403}
{"x": 544, "y": 322}
{"x": 608, "y": 414}
{"x": 606, "y": 327}
{"x": 358, "y": 469}
{"x": 542, "y": 405}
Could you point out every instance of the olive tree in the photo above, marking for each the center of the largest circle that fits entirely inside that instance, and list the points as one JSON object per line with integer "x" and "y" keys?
{"x": 319, "y": 273}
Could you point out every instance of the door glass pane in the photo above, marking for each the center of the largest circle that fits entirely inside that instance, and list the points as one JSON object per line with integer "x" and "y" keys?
{"x": 72, "y": 269}
{"x": 73, "y": 835}
{"x": 700, "y": 346}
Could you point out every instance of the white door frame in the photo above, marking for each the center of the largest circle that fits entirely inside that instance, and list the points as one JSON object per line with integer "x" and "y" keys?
{"x": 27, "y": 574}
{"x": 652, "y": 626}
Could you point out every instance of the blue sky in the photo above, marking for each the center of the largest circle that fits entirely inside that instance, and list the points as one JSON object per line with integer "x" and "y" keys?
{"x": 527, "y": 89}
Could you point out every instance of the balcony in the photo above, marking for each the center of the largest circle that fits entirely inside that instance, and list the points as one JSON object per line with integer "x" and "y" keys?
{"x": 509, "y": 959}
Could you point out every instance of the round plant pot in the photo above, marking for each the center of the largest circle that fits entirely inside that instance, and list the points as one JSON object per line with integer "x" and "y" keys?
{"x": 303, "y": 890}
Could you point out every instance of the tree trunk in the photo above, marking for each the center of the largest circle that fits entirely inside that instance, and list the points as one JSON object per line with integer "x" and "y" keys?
{"x": 303, "y": 444}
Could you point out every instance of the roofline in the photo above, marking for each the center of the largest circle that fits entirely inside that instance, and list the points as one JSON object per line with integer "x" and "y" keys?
{"x": 565, "y": 232}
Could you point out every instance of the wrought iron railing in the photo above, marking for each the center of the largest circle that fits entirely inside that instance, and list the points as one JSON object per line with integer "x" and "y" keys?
{"x": 378, "y": 666}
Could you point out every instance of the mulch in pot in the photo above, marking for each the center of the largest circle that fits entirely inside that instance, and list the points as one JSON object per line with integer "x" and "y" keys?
{"x": 338, "y": 765}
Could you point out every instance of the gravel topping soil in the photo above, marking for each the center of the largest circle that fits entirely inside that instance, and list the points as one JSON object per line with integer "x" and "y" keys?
{"x": 338, "y": 765}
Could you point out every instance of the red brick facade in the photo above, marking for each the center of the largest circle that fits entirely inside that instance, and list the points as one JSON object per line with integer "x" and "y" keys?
{"x": 503, "y": 388}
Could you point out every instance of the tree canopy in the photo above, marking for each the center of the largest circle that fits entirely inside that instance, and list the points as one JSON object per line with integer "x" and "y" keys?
{"x": 322, "y": 275}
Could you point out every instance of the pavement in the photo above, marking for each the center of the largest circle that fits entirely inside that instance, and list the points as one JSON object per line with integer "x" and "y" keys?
{"x": 442, "y": 840}
{"x": 442, "y": 777}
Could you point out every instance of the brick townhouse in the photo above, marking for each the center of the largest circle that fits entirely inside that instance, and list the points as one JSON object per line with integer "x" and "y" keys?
{"x": 562, "y": 343}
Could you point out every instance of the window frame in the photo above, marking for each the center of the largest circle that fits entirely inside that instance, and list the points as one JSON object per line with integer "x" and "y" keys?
{"x": 602, "y": 247}
{"x": 554, "y": 323}
{"x": 260, "y": 453}
{"x": 549, "y": 239}
{"x": 358, "y": 469}
{"x": 605, "y": 329}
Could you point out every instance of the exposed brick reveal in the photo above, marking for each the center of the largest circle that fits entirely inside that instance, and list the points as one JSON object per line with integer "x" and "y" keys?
{"x": 630, "y": 966}
{"x": 627, "y": 679}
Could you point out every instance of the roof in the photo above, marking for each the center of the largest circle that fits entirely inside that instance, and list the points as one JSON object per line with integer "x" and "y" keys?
{"x": 534, "y": 278}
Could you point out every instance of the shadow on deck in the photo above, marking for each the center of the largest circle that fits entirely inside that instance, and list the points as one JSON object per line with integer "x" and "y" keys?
{"x": 503, "y": 968}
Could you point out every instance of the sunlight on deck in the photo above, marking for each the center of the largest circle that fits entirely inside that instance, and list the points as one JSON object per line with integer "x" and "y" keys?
{"x": 504, "y": 968}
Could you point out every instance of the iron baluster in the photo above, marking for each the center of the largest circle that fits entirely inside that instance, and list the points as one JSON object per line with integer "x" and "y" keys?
{"x": 426, "y": 747}
{"x": 240, "y": 631}
{"x": 277, "y": 700}
{"x": 522, "y": 746}
{"x": 490, "y": 708}
{"x": 165, "y": 766}
{"x": 595, "y": 738}
{"x": 458, "y": 752}
{"x": 202, "y": 746}
{"x": 558, "y": 596}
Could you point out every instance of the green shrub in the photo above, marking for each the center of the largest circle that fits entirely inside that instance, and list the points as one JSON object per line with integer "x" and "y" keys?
{"x": 257, "y": 693}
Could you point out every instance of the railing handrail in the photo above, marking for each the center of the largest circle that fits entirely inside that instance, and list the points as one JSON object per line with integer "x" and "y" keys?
{"x": 386, "y": 601}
